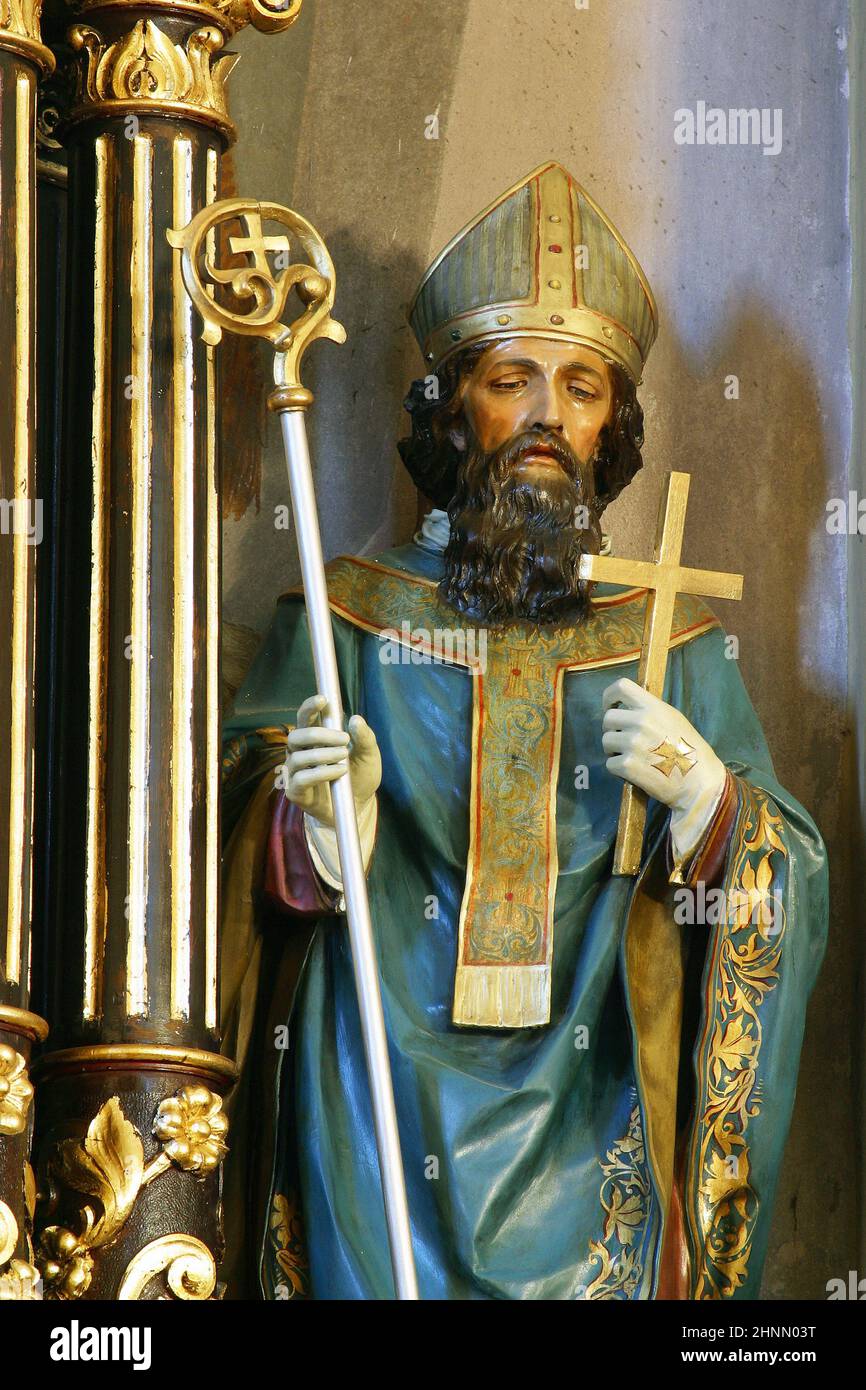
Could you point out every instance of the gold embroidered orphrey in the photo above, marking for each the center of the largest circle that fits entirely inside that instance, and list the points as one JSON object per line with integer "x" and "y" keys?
{"x": 505, "y": 946}
{"x": 743, "y": 971}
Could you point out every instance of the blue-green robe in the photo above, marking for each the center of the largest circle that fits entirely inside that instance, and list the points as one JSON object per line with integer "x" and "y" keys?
{"x": 539, "y": 1161}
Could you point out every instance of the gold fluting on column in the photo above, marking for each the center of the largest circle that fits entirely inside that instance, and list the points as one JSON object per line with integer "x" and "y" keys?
{"x": 95, "y": 889}
{"x": 212, "y": 608}
{"x": 23, "y": 595}
{"x": 184, "y": 599}
{"x": 139, "y": 638}
{"x": 22, "y": 57}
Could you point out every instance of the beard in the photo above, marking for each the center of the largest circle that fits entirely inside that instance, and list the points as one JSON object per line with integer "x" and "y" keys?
{"x": 516, "y": 544}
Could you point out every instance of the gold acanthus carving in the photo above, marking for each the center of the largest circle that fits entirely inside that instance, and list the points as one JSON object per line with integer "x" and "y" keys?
{"x": 146, "y": 67}
{"x": 16, "y": 1091}
{"x": 108, "y": 1165}
{"x": 21, "y": 17}
{"x": 20, "y": 31}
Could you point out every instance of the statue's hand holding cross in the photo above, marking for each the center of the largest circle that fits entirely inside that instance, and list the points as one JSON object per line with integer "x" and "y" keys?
{"x": 651, "y": 745}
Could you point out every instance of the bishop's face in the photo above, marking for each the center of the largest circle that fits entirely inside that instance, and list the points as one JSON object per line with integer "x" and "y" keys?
{"x": 533, "y": 410}
{"x": 543, "y": 386}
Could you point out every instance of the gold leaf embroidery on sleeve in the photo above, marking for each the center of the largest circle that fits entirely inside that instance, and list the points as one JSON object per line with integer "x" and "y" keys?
{"x": 625, "y": 1197}
{"x": 291, "y": 1274}
{"x": 724, "y": 1210}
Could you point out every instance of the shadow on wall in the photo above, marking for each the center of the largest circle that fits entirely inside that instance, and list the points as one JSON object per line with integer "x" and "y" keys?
{"x": 354, "y": 423}
{"x": 357, "y": 99}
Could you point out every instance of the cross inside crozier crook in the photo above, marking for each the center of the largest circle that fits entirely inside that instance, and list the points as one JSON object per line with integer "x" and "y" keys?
{"x": 257, "y": 245}
{"x": 664, "y": 578}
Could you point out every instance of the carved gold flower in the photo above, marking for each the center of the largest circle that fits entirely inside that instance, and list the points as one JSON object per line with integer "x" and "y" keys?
{"x": 16, "y": 1091}
{"x": 66, "y": 1265}
{"x": 192, "y": 1127}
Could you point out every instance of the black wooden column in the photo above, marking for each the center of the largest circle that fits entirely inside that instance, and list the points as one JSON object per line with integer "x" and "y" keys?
{"x": 23, "y": 58}
{"x": 134, "y": 1072}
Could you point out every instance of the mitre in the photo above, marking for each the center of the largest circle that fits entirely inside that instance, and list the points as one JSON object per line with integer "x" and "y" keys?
{"x": 542, "y": 260}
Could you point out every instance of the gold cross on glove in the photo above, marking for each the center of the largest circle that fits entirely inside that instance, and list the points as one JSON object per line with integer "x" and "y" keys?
{"x": 664, "y": 577}
{"x": 672, "y": 757}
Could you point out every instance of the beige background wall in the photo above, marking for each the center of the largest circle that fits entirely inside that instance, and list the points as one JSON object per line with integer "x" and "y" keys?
{"x": 749, "y": 258}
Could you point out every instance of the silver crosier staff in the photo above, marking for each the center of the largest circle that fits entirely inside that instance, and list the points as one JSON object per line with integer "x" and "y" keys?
{"x": 267, "y": 292}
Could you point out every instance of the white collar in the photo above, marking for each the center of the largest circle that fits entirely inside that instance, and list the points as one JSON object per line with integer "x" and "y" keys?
{"x": 435, "y": 531}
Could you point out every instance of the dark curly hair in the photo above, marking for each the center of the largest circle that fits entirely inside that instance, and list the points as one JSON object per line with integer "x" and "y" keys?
{"x": 433, "y": 459}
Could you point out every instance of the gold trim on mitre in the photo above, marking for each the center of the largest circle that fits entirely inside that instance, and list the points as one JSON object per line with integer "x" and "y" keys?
{"x": 543, "y": 259}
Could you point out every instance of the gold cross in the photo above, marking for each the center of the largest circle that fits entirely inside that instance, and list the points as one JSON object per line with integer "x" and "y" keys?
{"x": 256, "y": 244}
{"x": 673, "y": 757}
{"x": 664, "y": 577}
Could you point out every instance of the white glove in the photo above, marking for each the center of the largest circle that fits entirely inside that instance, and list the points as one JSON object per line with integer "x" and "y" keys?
{"x": 318, "y": 756}
{"x": 653, "y": 746}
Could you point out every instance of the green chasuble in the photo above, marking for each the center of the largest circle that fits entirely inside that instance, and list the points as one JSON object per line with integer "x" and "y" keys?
{"x": 664, "y": 1023}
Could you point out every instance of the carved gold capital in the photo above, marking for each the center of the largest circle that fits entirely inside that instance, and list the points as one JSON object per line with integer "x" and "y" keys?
{"x": 147, "y": 73}
{"x": 154, "y": 68}
{"x": 20, "y": 32}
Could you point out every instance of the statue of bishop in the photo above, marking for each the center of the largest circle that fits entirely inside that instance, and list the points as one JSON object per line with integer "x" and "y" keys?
{"x": 594, "y": 1074}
